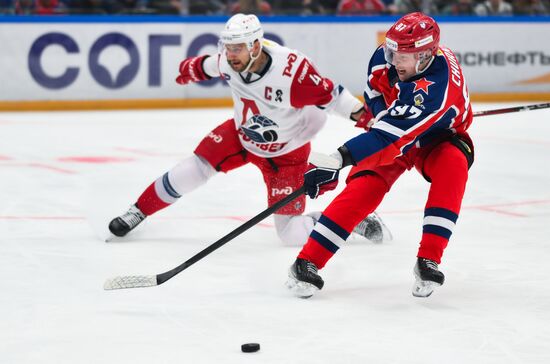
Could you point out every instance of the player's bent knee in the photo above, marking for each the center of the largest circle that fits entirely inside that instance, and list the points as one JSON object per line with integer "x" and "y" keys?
{"x": 293, "y": 230}
{"x": 450, "y": 169}
{"x": 190, "y": 173}
{"x": 456, "y": 162}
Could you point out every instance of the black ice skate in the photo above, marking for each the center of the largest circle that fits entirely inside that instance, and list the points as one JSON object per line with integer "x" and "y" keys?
{"x": 122, "y": 225}
{"x": 303, "y": 279}
{"x": 428, "y": 277}
{"x": 373, "y": 229}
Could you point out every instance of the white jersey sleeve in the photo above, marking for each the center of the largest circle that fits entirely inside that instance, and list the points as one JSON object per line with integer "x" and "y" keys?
{"x": 210, "y": 66}
{"x": 344, "y": 103}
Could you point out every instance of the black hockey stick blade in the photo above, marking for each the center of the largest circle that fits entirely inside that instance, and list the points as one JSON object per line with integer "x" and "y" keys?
{"x": 121, "y": 282}
{"x": 512, "y": 109}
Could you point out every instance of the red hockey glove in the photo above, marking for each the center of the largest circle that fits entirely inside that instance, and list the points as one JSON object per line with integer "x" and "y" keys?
{"x": 191, "y": 70}
{"x": 365, "y": 118}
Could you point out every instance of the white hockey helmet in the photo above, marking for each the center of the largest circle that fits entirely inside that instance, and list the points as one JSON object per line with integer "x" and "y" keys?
{"x": 241, "y": 28}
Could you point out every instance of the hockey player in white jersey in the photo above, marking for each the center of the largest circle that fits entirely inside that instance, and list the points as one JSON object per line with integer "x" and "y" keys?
{"x": 280, "y": 103}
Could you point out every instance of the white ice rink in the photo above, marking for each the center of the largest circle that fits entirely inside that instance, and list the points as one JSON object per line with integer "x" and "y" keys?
{"x": 64, "y": 175}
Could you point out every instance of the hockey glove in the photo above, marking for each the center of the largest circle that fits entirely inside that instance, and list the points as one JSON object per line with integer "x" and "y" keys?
{"x": 191, "y": 70}
{"x": 322, "y": 174}
{"x": 319, "y": 180}
{"x": 364, "y": 118}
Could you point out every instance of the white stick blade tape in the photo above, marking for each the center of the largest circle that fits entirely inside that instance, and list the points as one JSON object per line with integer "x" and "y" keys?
{"x": 121, "y": 282}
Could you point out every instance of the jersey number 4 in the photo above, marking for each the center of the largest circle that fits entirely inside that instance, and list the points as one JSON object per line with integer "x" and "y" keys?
{"x": 316, "y": 79}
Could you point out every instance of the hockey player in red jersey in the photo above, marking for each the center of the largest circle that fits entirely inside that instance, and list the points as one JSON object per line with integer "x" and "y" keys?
{"x": 280, "y": 103}
{"x": 418, "y": 96}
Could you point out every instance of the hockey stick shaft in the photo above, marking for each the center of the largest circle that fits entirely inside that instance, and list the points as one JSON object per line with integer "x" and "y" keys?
{"x": 161, "y": 278}
{"x": 149, "y": 281}
{"x": 512, "y": 109}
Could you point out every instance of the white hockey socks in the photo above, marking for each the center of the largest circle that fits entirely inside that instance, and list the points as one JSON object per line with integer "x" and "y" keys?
{"x": 186, "y": 176}
{"x": 294, "y": 230}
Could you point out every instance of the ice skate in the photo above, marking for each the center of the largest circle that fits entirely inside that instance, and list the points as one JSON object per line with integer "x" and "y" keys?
{"x": 374, "y": 229}
{"x": 427, "y": 276}
{"x": 123, "y": 224}
{"x": 303, "y": 279}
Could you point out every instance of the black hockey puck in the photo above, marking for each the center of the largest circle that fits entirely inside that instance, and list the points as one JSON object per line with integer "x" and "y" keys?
{"x": 250, "y": 347}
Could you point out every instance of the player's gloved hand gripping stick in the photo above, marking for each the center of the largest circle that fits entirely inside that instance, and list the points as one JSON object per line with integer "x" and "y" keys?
{"x": 322, "y": 174}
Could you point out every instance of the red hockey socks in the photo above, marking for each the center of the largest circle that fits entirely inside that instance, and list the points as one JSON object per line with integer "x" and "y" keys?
{"x": 446, "y": 166}
{"x": 157, "y": 196}
{"x": 360, "y": 197}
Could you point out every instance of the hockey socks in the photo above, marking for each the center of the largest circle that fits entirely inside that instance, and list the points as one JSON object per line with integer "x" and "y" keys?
{"x": 444, "y": 199}
{"x": 186, "y": 176}
{"x": 436, "y": 231}
{"x": 157, "y": 196}
{"x": 325, "y": 240}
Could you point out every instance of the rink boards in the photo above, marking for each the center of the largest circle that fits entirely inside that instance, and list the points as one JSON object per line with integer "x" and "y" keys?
{"x": 118, "y": 62}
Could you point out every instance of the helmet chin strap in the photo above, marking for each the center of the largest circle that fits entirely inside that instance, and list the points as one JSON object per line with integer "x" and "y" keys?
{"x": 252, "y": 59}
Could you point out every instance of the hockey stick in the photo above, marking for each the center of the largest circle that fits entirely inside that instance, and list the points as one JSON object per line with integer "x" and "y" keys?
{"x": 155, "y": 280}
{"x": 512, "y": 109}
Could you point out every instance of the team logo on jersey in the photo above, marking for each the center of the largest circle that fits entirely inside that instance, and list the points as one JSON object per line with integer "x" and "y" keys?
{"x": 418, "y": 100}
{"x": 422, "y": 84}
{"x": 226, "y": 76}
{"x": 260, "y": 129}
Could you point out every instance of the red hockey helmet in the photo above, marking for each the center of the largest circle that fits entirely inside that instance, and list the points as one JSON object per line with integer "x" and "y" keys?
{"x": 414, "y": 32}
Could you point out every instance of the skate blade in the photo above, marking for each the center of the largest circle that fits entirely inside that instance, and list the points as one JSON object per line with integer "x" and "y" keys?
{"x": 386, "y": 233}
{"x": 424, "y": 288}
{"x": 113, "y": 238}
{"x": 300, "y": 289}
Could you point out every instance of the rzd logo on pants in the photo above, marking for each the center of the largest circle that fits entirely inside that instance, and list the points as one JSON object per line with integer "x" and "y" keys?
{"x": 281, "y": 191}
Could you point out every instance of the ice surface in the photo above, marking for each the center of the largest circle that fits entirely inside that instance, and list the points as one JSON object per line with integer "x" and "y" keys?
{"x": 64, "y": 175}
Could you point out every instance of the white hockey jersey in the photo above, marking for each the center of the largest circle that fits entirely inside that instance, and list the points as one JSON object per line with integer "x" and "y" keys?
{"x": 284, "y": 108}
